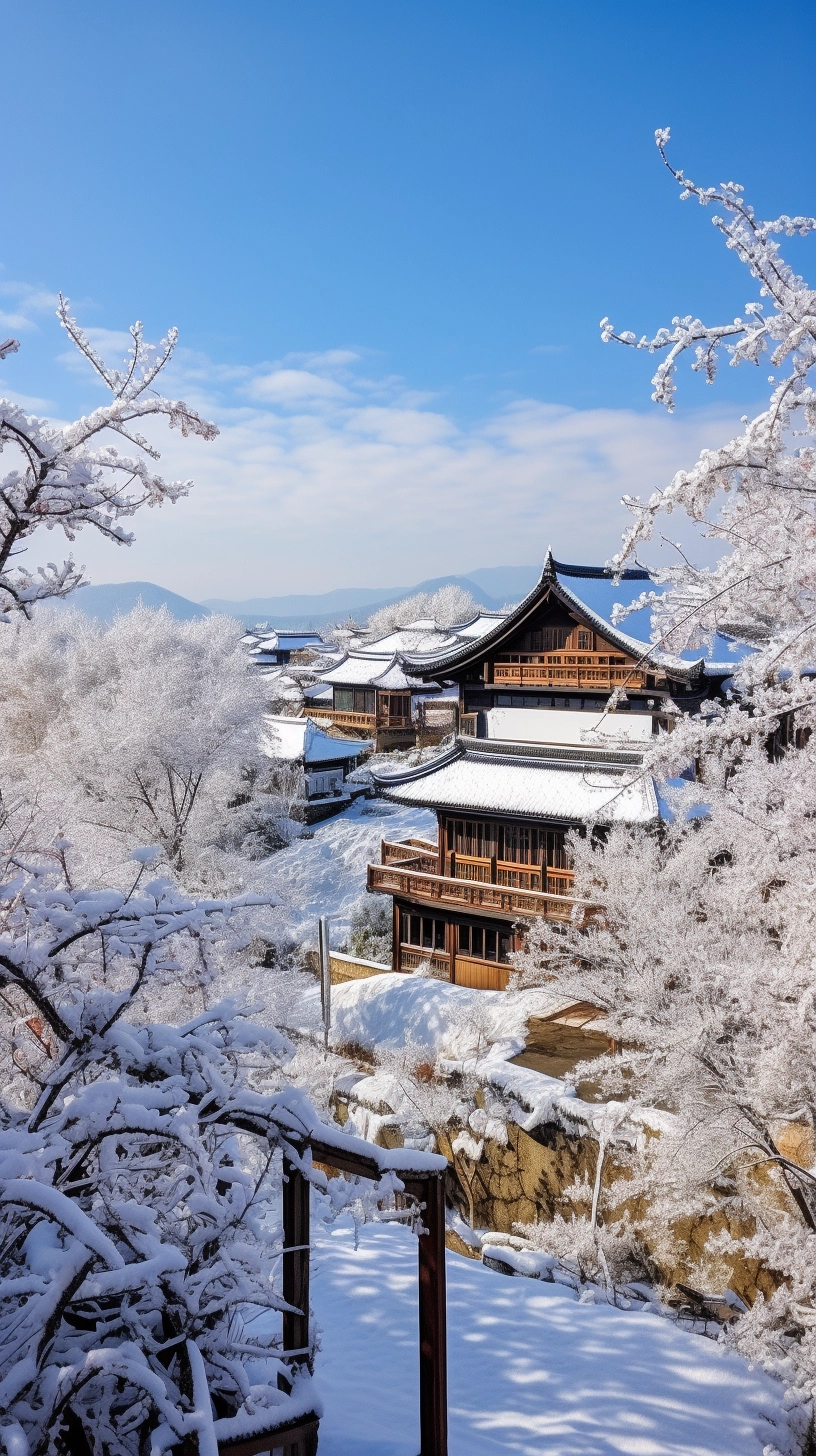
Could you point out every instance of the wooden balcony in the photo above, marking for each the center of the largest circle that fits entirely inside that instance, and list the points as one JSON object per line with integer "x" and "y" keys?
{"x": 509, "y": 874}
{"x": 568, "y": 670}
{"x": 373, "y": 723}
{"x": 416, "y": 854}
{"x": 472, "y": 895}
{"x": 362, "y": 722}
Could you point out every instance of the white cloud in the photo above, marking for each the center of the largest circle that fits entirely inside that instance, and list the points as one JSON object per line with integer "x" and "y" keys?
{"x": 28, "y": 303}
{"x": 308, "y": 502}
{"x": 287, "y": 386}
{"x": 317, "y": 481}
{"x": 329, "y": 359}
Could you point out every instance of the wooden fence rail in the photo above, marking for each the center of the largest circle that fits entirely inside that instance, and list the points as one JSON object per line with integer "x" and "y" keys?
{"x": 351, "y": 1155}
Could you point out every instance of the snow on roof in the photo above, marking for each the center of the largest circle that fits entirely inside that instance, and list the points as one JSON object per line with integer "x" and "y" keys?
{"x": 285, "y": 686}
{"x": 548, "y": 582}
{"x": 485, "y": 622}
{"x": 293, "y": 739}
{"x": 573, "y": 785}
{"x": 409, "y": 639}
{"x": 272, "y": 640}
{"x": 359, "y": 670}
{"x": 424, "y": 638}
{"x": 552, "y": 725}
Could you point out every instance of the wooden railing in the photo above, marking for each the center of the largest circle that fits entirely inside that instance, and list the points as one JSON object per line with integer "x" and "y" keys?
{"x": 577, "y": 675}
{"x": 508, "y": 873}
{"x": 472, "y": 894}
{"x": 411, "y": 957}
{"x": 367, "y": 721}
{"x": 419, "y": 854}
{"x": 472, "y": 867}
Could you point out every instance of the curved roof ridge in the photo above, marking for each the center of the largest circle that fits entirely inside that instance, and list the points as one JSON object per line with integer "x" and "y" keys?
{"x": 549, "y": 580}
{"x": 420, "y": 770}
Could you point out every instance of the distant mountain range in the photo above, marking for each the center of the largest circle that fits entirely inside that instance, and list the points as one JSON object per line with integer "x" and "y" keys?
{"x": 111, "y": 598}
{"x": 491, "y": 586}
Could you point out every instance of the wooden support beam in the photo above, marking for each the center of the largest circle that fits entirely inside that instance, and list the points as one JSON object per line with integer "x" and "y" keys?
{"x": 433, "y": 1330}
{"x": 295, "y": 1257}
{"x": 429, "y": 1190}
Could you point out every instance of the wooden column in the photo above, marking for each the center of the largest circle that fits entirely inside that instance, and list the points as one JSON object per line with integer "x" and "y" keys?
{"x": 433, "y": 1333}
{"x": 296, "y": 1260}
{"x": 395, "y": 935}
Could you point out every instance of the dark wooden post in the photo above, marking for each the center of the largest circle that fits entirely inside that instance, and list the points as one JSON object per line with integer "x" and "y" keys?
{"x": 433, "y": 1333}
{"x": 295, "y": 1257}
{"x": 396, "y": 933}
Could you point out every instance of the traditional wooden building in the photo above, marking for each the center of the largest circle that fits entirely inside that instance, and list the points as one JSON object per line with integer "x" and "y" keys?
{"x": 554, "y": 652}
{"x": 538, "y": 755}
{"x": 270, "y": 647}
{"x": 371, "y": 695}
{"x": 378, "y": 689}
{"x": 325, "y": 763}
{"x": 503, "y": 810}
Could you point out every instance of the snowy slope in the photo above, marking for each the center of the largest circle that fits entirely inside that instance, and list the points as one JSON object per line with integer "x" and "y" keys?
{"x": 391, "y": 1009}
{"x": 531, "y": 1370}
{"x": 326, "y": 874}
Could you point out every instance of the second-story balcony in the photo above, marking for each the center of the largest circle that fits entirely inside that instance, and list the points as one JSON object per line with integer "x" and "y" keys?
{"x": 370, "y": 723}
{"x": 409, "y": 869}
{"x": 590, "y": 670}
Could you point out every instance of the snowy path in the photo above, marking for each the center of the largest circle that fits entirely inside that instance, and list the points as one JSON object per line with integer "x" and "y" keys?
{"x": 531, "y": 1371}
{"x": 326, "y": 874}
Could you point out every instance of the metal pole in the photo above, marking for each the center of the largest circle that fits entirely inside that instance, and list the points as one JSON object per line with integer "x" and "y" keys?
{"x": 325, "y": 975}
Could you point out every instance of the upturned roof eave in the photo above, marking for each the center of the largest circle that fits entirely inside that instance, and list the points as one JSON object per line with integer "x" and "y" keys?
{"x": 398, "y": 786}
{"x": 547, "y": 582}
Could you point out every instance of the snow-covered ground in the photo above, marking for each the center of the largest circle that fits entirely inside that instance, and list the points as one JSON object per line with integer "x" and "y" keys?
{"x": 324, "y": 875}
{"x": 530, "y": 1369}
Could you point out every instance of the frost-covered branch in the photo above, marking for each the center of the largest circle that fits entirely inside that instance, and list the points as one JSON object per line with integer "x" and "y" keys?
{"x": 73, "y": 477}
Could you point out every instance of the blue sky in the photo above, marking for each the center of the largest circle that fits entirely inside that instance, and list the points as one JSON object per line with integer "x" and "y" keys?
{"x": 387, "y": 234}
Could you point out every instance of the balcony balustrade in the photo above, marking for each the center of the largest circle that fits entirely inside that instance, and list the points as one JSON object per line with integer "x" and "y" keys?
{"x": 411, "y": 958}
{"x": 367, "y": 722}
{"x": 473, "y": 895}
{"x": 581, "y": 673}
{"x": 415, "y": 854}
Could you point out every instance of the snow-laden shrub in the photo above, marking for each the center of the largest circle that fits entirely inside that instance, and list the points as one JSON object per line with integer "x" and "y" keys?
{"x": 139, "y": 1171}
{"x": 611, "y": 1254}
{"x": 371, "y": 929}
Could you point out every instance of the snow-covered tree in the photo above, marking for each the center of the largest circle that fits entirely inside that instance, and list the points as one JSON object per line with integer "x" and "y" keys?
{"x": 75, "y": 476}
{"x": 701, "y": 950}
{"x": 446, "y": 607}
{"x": 140, "y": 1159}
{"x": 145, "y": 731}
{"x": 140, "y": 1168}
